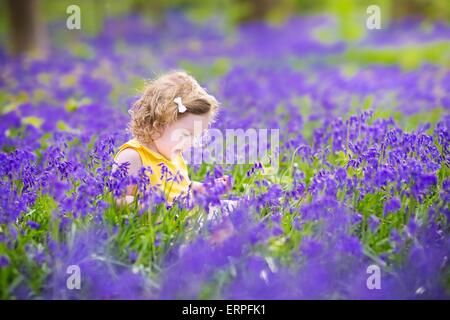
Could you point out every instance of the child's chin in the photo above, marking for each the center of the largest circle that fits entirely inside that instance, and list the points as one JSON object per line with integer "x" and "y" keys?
{"x": 176, "y": 152}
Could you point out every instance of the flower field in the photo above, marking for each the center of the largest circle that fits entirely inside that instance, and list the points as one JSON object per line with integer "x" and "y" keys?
{"x": 363, "y": 177}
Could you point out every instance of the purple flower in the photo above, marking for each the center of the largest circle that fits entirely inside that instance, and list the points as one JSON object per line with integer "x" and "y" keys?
{"x": 392, "y": 205}
{"x": 33, "y": 225}
{"x": 4, "y": 261}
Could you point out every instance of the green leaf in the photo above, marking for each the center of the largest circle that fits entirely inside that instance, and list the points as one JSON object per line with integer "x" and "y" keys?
{"x": 33, "y": 121}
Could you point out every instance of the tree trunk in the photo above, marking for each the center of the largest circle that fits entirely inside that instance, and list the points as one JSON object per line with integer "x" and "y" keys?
{"x": 257, "y": 9}
{"x": 26, "y": 28}
{"x": 407, "y": 8}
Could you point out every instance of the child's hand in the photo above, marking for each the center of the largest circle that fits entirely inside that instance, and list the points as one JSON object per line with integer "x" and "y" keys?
{"x": 202, "y": 188}
{"x": 198, "y": 187}
{"x": 226, "y": 181}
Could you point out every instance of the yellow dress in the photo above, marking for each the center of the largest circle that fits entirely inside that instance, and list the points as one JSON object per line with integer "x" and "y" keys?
{"x": 173, "y": 181}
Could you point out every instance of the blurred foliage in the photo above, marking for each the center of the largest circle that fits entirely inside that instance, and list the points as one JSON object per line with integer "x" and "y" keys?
{"x": 349, "y": 13}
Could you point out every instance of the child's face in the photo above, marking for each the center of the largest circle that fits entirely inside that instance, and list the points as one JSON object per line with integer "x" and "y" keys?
{"x": 179, "y": 136}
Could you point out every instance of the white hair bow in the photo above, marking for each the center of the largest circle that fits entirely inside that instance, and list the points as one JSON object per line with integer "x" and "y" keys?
{"x": 181, "y": 107}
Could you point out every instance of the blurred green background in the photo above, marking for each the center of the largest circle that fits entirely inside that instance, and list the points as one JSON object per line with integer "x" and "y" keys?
{"x": 24, "y": 23}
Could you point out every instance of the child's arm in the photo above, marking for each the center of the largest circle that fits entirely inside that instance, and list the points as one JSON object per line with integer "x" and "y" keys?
{"x": 132, "y": 156}
{"x": 199, "y": 186}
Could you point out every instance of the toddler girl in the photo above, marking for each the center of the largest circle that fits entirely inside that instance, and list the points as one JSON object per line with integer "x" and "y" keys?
{"x": 162, "y": 125}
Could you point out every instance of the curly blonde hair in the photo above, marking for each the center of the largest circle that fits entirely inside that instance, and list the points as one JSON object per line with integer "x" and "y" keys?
{"x": 156, "y": 107}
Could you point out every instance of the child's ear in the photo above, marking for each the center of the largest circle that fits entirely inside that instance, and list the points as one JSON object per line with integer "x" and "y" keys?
{"x": 163, "y": 129}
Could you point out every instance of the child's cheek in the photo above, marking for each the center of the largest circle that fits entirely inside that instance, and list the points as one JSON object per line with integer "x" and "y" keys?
{"x": 181, "y": 145}
{"x": 176, "y": 141}
{"x": 187, "y": 142}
